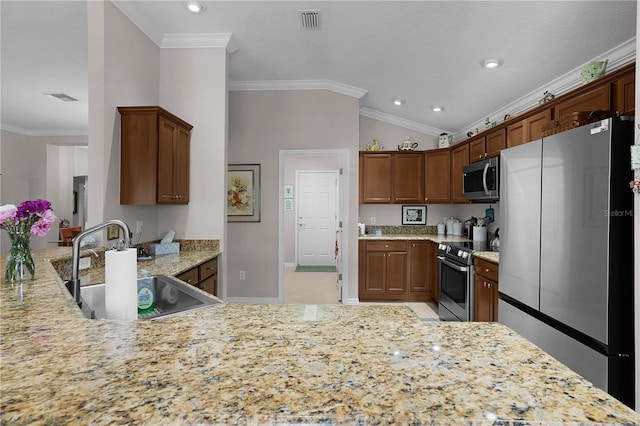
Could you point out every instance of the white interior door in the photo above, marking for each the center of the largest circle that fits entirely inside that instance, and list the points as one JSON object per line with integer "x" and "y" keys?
{"x": 316, "y": 193}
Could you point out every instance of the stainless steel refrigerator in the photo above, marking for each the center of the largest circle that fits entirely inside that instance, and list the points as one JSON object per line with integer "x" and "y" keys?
{"x": 566, "y": 250}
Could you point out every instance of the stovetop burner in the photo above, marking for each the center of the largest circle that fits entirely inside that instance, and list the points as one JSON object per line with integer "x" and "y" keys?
{"x": 462, "y": 251}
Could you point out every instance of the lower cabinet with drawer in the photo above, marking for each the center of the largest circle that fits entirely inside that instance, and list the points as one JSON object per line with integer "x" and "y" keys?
{"x": 203, "y": 276}
{"x": 485, "y": 298}
{"x": 394, "y": 270}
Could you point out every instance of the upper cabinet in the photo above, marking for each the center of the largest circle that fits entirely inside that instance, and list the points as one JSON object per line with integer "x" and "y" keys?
{"x": 626, "y": 95}
{"x": 527, "y": 129}
{"x": 487, "y": 146}
{"x": 154, "y": 156}
{"x": 408, "y": 172}
{"x": 437, "y": 176}
{"x": 375, "y": 178}
{"x": 390, "y": 178}
{"x": 597, "y": 99}
{"x": 459, "y": 159}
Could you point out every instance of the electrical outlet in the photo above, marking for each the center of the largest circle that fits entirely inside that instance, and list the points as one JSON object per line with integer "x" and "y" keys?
{"x": 373, "y": 220}
{"x": 85, "y": 263}
{"x": 242, "y": 275}
{"x": 139, "y": 226}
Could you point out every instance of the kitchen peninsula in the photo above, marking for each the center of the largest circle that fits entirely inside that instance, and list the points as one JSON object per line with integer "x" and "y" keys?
{"x": 241, "y": 364}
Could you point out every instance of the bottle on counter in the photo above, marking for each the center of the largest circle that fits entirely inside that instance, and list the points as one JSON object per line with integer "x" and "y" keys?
{"x": 146, "y": 296}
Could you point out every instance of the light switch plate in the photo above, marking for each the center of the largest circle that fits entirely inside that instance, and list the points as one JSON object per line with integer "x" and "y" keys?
{"x": 635, "y": 157}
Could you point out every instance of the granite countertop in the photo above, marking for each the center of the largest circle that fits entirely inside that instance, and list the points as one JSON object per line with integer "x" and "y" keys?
{"x": 492, "y": 256}
{"x": 266, "y": 364}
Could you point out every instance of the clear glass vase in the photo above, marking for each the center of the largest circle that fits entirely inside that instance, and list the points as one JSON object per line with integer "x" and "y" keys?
{"x": 21, "y": 265}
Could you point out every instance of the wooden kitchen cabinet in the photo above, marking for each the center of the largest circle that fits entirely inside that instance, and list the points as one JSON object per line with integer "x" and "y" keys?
{"x": 487, "y": 146}
{"x": 626, "y": 95}
{"x": 408, "y": 182}
{"x": 597, "y": 99}
{"x": 528, "y": 129}
{"x": 384, "y": 271}
{"x": 419, "y": 268}
{"x": 515, "y": 134}
{"x": 485, "y": 298}
{"x": 459, "y": 159}
{"x": 375, "y": 177}
{"x": 437, "y": 176}
{"x": 391, "y": 178}
{"x": 397, "y": 270}
{"x": 203, "y": 276}
{"x": 154, "y": 156}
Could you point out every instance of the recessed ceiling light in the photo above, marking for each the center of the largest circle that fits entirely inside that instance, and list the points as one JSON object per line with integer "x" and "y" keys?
{"x": 491, "y": 62}
{"x": 195, "y": 7}
{"x": 437, "y": 108}
{"x": 398, "y": 102}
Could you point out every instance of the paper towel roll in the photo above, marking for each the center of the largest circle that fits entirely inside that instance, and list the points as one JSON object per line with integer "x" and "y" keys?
{"x": 121, "y": 284}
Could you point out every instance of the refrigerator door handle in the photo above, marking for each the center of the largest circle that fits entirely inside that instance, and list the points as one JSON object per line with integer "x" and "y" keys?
{"x": 484, "y": 178}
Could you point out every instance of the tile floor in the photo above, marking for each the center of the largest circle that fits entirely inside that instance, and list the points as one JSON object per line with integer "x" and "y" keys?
{"x": 318, "y": 288}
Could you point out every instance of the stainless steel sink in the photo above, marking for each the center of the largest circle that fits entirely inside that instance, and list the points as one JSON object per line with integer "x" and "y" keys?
{"x": 172, "y": 297}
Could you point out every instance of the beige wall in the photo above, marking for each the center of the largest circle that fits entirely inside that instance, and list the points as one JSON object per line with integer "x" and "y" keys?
{"x": 260, "y": 125}
{"x": 123, "y": 70}
{"x": 390, "y": 135}
{"x": 40, "y": 167}
{"x": 193, "y": 85}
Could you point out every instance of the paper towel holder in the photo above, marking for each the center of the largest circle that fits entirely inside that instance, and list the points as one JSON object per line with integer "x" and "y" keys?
{"x": 73, "y": 285}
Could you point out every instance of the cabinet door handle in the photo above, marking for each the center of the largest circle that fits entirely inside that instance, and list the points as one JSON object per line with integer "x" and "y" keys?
{"x": 386, "y": 246}
{"x": 486, "y": 270}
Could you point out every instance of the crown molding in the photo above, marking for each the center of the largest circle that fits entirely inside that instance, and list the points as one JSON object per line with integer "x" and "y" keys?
{"x": 28, "y": 132}
{"x": 188, "y": 41}
{"x": 619, "y": 56}
{"x": 261, "y": 85}
{"x": 407, "y": 124}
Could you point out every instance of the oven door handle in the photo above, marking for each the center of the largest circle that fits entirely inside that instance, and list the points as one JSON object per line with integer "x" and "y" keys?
{"x": 453, "y": 265}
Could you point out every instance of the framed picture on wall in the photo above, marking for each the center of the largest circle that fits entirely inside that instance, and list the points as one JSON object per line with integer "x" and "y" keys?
{"x": 243, "y": 193}
{"x": 414, "y": 215}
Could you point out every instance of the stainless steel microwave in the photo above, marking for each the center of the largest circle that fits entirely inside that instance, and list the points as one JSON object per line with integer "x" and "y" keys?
{"x": 480, "y": 180}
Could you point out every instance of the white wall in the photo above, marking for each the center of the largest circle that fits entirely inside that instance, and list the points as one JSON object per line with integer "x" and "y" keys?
{"x": 260, "y": 125}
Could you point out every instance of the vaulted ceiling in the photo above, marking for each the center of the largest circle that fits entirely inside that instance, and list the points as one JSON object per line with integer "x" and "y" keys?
{"x": 424, "y": 52}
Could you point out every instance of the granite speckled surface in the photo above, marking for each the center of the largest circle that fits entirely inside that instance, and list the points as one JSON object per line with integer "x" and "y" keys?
{"x": 492, "y": 256}
{"x": 248, "y": 364}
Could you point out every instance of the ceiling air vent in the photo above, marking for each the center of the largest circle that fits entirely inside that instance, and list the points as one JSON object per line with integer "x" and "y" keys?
{"x": 61, "y": 96}
{"x": 309, "y": 20}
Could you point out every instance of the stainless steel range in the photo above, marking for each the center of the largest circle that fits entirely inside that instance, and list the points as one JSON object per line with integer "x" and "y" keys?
{"x": 456, "y": 279}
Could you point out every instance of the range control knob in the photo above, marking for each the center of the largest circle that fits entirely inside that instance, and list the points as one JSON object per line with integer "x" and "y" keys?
{"x": 460, "y": 253}
{"x": 465, "y": 255}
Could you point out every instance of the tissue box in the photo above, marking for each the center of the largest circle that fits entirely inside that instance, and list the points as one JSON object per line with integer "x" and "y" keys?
{"x": 160, "y": 249}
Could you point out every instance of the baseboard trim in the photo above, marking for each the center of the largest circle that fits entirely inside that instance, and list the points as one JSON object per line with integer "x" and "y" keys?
{"x": 253, "y": 300}
{"x": 351, "y": 301}
{"x": 289, "y": 264}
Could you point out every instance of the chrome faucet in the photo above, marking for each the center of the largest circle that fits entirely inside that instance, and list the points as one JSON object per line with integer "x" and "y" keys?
{"x": 74, "y": 283}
